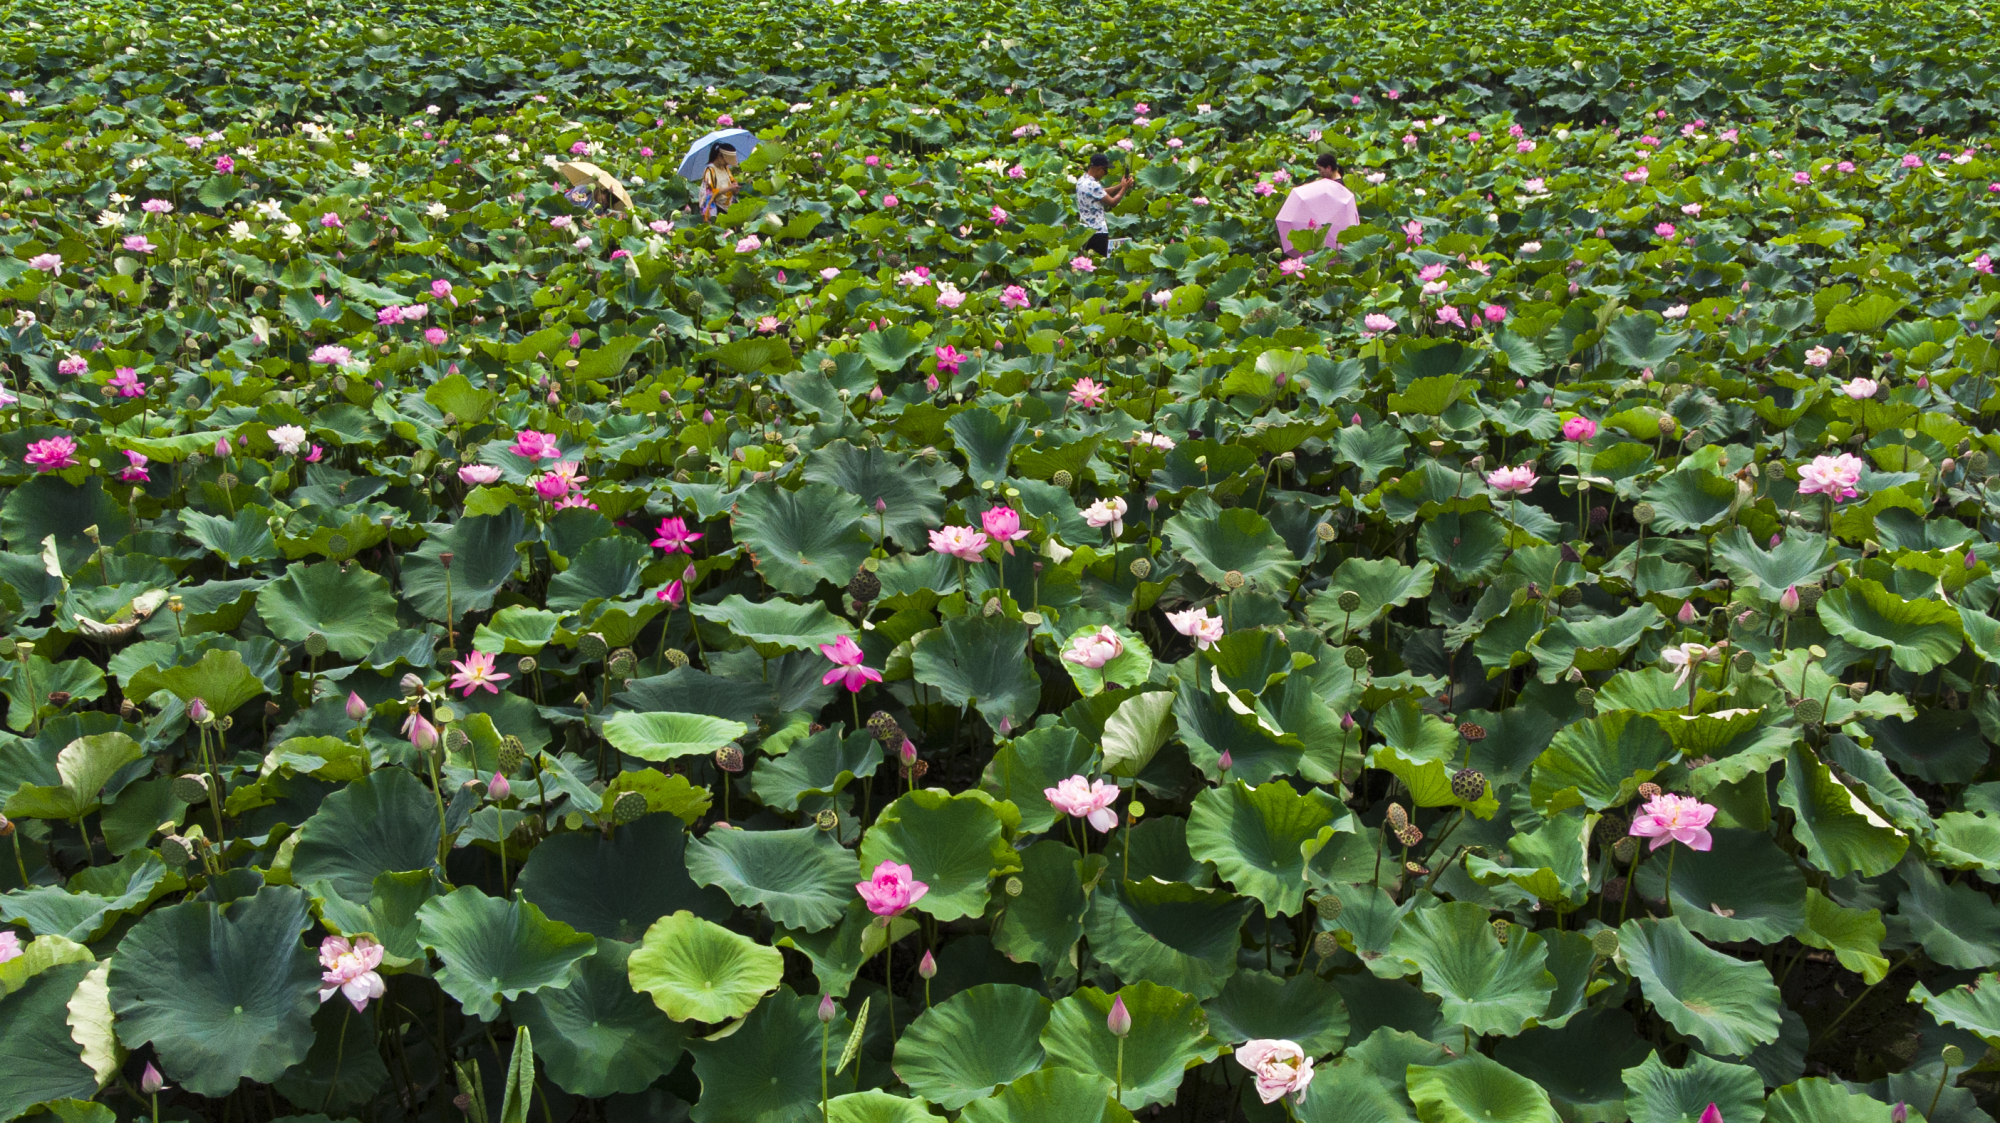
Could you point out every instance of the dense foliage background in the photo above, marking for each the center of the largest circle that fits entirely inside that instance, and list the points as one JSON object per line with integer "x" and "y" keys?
{"x": 419, "y": 584}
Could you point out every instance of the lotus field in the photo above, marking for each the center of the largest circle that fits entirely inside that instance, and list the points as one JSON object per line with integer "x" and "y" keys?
{"x": 476, "y": 651}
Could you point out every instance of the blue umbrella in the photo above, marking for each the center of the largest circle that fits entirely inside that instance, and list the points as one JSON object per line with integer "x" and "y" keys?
{"x": 743, "y": 140}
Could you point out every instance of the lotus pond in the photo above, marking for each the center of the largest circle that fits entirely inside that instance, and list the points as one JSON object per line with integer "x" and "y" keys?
{"x": 470, "y": 656}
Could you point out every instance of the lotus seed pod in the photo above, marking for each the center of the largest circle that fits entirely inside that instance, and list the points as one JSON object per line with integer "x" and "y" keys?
{"x": 827, "y": 819}
{"x": 864, "y": 587}
{"x": 1324, "y": 532}
{"x": 1415, "y": 869}
{"x": 1745, "y": 662}
{"x": 1233, "y": 579}
{"x": 1857, "y": 691}
{"x": 1468, "y": 784}
{"x": 1624, "y": 850}
{"x": 991, "y": 607}
{"x": 59, "y": 698}
{"x": 729, "y": 757}
{"x": 1500, "y": 928}
{"x": 1570, "y": 597}
{"x": 1952, "y": 1056}
{"x": 591, "y": 647}
{"x": 883, "y": 728}
{"x": 1809, "y": 711}
{"x": 1809, "y": 596}
{"x": 226, "y": 481}
{"x": 1649, "y": 790}
{"x": 412, "y": 686}
{"x": 1329, "y": 906}
{"x": 1326, "y": 944}
{"x": 629, "y": 807}
{"x": 1472, "y": 731}
{"x": 1410, "y": 835}
{"x": 1397, "y": 817}
{"x": 1604, "y": 943}
{"x": 623, "y": 662}
{"x": 1014, "y": 887}
{"x": 126, "y": 710}
{"x": 513, "y": 754}
{"x": 1062, "y": 478}
{"x": 1976, "y": 464}
{"x": 1356, "y": 659}
{"x": 337, "y": 546}
{"x": 1586, "y": 697}
{"x": 1643, "y": 514}
{"x": 526, "y": 664}
{"x": 457, "y": 740}
{"x": 315, "y": 644}
{"x": 1611, "y": 828}
{"x": 1349, "y": 600}
{"x": 176, "y": 852}
{"x": 191, "y": 788}
{"x": 676, "y": 658}
{"x": 1141, "y": 568}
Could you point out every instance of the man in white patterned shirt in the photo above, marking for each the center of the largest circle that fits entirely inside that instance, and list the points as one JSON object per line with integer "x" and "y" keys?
{"x": 1092, "y": 198}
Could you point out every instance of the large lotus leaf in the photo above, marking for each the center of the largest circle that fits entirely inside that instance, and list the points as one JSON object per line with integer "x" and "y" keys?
{"x": 343, "y": 1068}
{"x": 617, "y": 885}
{"x": 1382, "y": 584}
{"x": 984, "y": 661}
{"x": 597, "y": 1036}
{"x": 606, "y": 568}
{"x": 822, "y": 764}
{"x": 39, "y": 1058}
{"x": 1168, "y": 932}
{"x": 911, "y": 501}
{"x": 1477, "y": 1089}
{"x": 768, "y": 1069}
{"x": 686, "y": 690}
{"x": 46, "y": 506}
{"x": 801, "y": 877}
{"x": 1597, "y": 644}
{"x": 775, "y": 625}
{"x": 1600, "y": 762}
{"x": 658, "y": 736}
{"x": 1053, "y": 1095}
{"x": 697, "y": 970}
{"x": 483, "y": 558}
{"x": 222, "y": 996}
{"x": 1958, "y": 925}
{"x": 1579, "y": 1064}
{"x": 1023, "y": 768}
{"x": 94, "y": 898}
{"x": 1210, "y": 723}
{"x": 386, "y": 821}
{"x": 84, "y": 766}
{"x": 1253, "y": 837}
{"x": 1852, "y": 935}
{"x": 1236, "y": 540}
{"x": 1486, "y": 985}
{"x": 1745, "y": 888}
{"x": 352, "y": 608}
{"x": 1942, "y": 746}
{"x": 496, "y": 949}
{"x": 1817, "y": 1100}
{"x": 838, "y": 953}
{"x": 876, "y": 1107}
{"x": 1655, "y": 1093}
{"x": 1799, "y": 558}
{"x": 1169, "y": 1035}
{"x": 390, "y": 913}
{"x": 1137, "y": 730}
{"x": 222, "y": 680}
{"x": 1691, "y": 498}
{"x": 1974, "y": 1007}
{"x": 800, "y": 538}
{"x": 1466, "y": 546}
{"x": 986, "y": 441}
{"x": 1042, "y": 925}
{"x": 1917, "y": 634}
{"x": 1637, "y": 341}
{"x": 1348, "y": 1091}
{"x": 1257, "y": 1004}
{"x": 956, "y": 844}
{"x": 1551, "y": 861}
{"x": 964, "y": 1048}
{"x": 1841, "y": 834}
{"x": 1729, "y": 1005}
{"x": 29, "y": 683}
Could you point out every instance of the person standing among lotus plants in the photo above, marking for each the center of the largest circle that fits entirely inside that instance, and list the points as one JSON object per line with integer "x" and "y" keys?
{"x": 1092, "y": 197}
{"x": 718, "y": 182}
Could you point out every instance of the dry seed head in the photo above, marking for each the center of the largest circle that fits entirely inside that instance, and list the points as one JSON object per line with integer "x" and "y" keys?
{"x": 1649, "y": 790}
{"x": 1410, "y": 835}
{"x": 729, "y": 757}
{"x": 1468, "y": 784}
{"x": 1397, "y": 817}
{"x": 676, "y": 658}
{"x": 864, "y": 587}
{"x": 1472, "y": 731}
{"x": 1233, "y": 579}
{"x": 1141, "y": 568}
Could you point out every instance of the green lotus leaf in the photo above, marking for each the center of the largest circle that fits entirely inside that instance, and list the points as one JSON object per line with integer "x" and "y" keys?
{"x": 1477, "y": 1089}
{"x": 1966, "y": 840}
{"x": 1598, "y": 644}
{"x": 986, "y": 441}
{"x": 768, "y": 1069}
{"x": 1382, "y": 584}
{"x": 1579, "y": 1064}
{"x": 484, "y": 557}
{"x": 1348, "y": 1091}
{"x": 1042, "y": 925}
{"x": 1170, "y": 933}
{"x": 1958, "y": 925}
{"x": 1257, "y": 1004}
{"x": 1137, "y": 730}
{"x": 802, "y": 878}
{"x": 1575, "y": 965}
{"x": 838, "y": 953}
{"x": 1169, "y": 1036}
{"x": 496, "y": 949}
{"x": 389, "y": 915}
{"x": 1840, "y": 833}
{"x": 39, "y": 1059}
{"x": 516, "y": 630}
{"x": 386, "y": 821}
{"x": 981, "y": 661}
{"x": 605, "y": 569}
{"x": 1816, "y": 1100}
{"x": 1853, "y": 936}
{"x": 221, "y": 995}
{"x": 964, "y": 1048}
{"x": 1798, "y": 559}
{"x": 821, "y": 765}
{"x": 1210, "y": 724}
{"x": 245, "y": 540}
{"x": 800, "y": 538}
{"x": 343, "y": 1068}
{"x": 1744, "y": 889}
{"x": 667, "y": 736}
{"x": 776, "y": 626}
{"x": 1236, "y": 540}
{"x": 1551, "y": 862}
{"x": 597, "y": 1036}
{"x": 697, "y": 970}
{"x": 1942, "y": 746}
{"x": 1023, "y": 768}
{"x": 352, "y": 608}
{"x": 1974, "y": 1007}
{"x": 1917, "y": 634}
{"x": 1053, "y": 1095}
{"x": 1637, "y": 341}
{"x": 1655, "y": 1093}
{"x": 84, "y": 766}
{"x": 1486, "y": 985}
{"x": 1691, "y": 498}
{"x": 221, "y": 679}
{"x": 1600, "y": 762}
{"x": 1729, "y": 1005}
{"x": 875, "y": 1107}
{"x": 1253, "y": 837}
{"x": 29, "y": 683}
{"x": 48, "y": 506}
{"x": 616, "y": 886}
{"x": 956, "y": 844}
{"x": 1467, "y": 546}
{"x": 912, "y": 502}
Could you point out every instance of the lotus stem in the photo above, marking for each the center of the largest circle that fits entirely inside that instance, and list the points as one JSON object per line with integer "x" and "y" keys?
{"x": 339, "y": 1057}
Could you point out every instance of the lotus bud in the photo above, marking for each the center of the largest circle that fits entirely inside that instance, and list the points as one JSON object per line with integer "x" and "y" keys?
{"x": 1901, "y": 1112}
{"x": 1062, "y": 478}
{"x": 1356, "y": 659}
{"x": 356, "y": 708}
{"x": 1952, "y": 1056}
{"x": 151, "y": 1082}
{"x": 191, "y": 788}
{"x": 591, "y": 647}
{"x": 827, "y": 1010}
{"x": 1971, "y": 560}
{"x": 1686, "y": 615}
{"x": 1120, "y": 1019}
{"x": 1347, "y": 722}
{"x": 1858, "y": 691}
{"x": 927, "y": 966}
{"x": 1141, "y": 568}
{"x": 1604, "y": 943}
{"x": 1788, "y": 601}
{"x": 907, "y": 753}
{"x": 1349, "y": 601}
{"x": 412, "y": 686}
{"x": 1227, "y": 762}
{"x": 499, "y": 788}
{"x": 1809, "y": 711}
{"x": 827, "y": 819}
{"x": 197, "y": 710}
{"x": 1949, "y": 466}
{"x": 729, "y": 757}
{"x": 1324, "y": 532}
{"x": 628, "y": 807}
{"x": 423, "y": 735}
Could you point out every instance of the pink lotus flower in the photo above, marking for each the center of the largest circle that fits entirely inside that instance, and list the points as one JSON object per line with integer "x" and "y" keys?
{"x": 476, "y": 670}
{"x": 1861, "y": 388}
{"x": 998, "y": 216}
{"x": 1377, "y": 322}
{"x": 890, "y": 201}
{"x": 1292, "y": 266}
{"x": 961, "y": 542}
{"x": 1087, "y": 393}
{"x": 134, "y": 471}
{"x": 1082, "y": 798}
{"x": 1281, "y": 1068}
{"x": 1197, "y": 625}
{"x": 1107, "y": 512}
{"x": 1263, "y": 188}
{"x": 530, "y": 445}
{"x": 422, "y": 734}
{"x": 672, "y": 595}
{"x": 331, "y": 354}
{"x": 72, "y": 365}
{"x": 1413, "y": 233}
{"x": 10, "y": 945}
{"x": 225, "y": 164}
{"x": 1014, "y": 296}
{"x": 157, "y": 206}
{"x": 52, "y": 455}
{"x": 1833, "y": 476}
{"x": 725, "y": 121}
{"x": 441, "y": 290}
{"x": 1082, "y": 264}
{"x": 673, "y": 536}
{"x": 1450, "y": 315}
{"x": 357, "y": 708}
{"x": 478, "y": 475}
{"x": 1493, "y": 313}
{"x": 1512, "y": 481}
{"x": 1710, "y": 1114}
{"x": 138, "y": 243}
{"x": 828, "y": 273}
{"x": 1637, "y": 175}
{"x": 891, "y": 889}
{"x": 749, "y": 244}
{"x": 1801, "y": 178}
{"x": 550, "y": 486}
{"x": 331, "y": 221}
{"x": 1818, "y": 356}
{"x": 1674, "y": 818}
{"x": 50, "y": 263}
{"x": 288, "y": 438}
{"x": 1579, "y": 429}
{"x": 1003, "y": 525}
{"x": 435, "y": 336}
{"x": 1094, "y": 649}
{"x": 1666, "y": 231}
{"x": 350, "y": 970}
{"x": 847, "y": 669}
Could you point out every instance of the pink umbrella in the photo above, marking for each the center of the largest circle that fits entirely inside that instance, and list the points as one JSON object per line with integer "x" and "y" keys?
{"x": 1310, "y": 206}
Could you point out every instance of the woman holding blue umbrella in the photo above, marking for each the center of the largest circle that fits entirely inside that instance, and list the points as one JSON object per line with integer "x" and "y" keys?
{"x": 712, "y": 161}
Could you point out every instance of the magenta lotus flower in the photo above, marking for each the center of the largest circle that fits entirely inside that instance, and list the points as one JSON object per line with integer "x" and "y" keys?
{"x": 350, "y": 970}
{"x": 891, "y": 890}
{"x": 674, "y": 536}
{"x": 478, "y": 475}
{"x": 847, "y": 669}
{"x": 1095, "y": 649}
{"x": 1512, "y": 481}
{"x": 1674, "y": 818}
{"x": 1003, "y": 525}
{"x": 530, "y": 445}
{"x": 672, "y": 595}
{"x": 1197, "y": 625}
{"x": 1709, "y": 1114}
{"x": 1082, "y": 798}
{"x": 1281, "y": 1068}
{"x": 476, "y": 670}
{"x": 551, "y": 486}
{"x": 52, "y": 454}
{"x": 1832, "y": 476}
{"x": 134, "y": 471}
{"x": 1579, "y": 429}
{"x": 1087, "y": 393}
{"x": 423, "y": 735}
{"x": 125, "y": 380}
{"x": 71, "y": 366}
{"x": 949, "y": 359}
{"x": 961, "y": 542}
